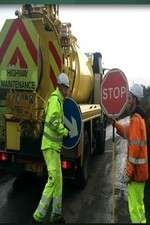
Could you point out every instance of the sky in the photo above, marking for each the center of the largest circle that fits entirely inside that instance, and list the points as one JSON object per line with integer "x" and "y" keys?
{"x": 120, "y": 33}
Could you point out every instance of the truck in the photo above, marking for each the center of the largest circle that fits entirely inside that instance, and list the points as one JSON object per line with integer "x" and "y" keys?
{"x": 34, "y": 48}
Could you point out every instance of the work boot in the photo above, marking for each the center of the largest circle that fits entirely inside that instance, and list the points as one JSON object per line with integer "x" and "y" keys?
{"x": 33, "y": 221}
{"x": 56, "y": 218}
{"x": 61, "y": 220}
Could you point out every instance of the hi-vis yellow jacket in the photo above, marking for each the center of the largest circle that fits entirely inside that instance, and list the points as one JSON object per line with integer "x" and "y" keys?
{"x": 54, "y": 129}
{"x": 137, "y": 161}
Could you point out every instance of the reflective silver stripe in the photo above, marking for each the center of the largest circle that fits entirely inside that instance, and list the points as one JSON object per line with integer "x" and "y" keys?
{"x": 56, "y": 139}
{"x": 44, "y": 200}
{"x": 137, "y": 161}
{"x": 40, "y": 210}
{"x": 137, "y": 143}
{"x": 143, "y": 219}
{"x": 43, "y": 206}
{"x": 51, "y": 125}
{"x": 57, "y": 202}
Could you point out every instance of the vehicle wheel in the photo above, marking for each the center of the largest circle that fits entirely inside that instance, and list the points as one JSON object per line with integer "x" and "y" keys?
{"x": 100, "y": 139}
{"x": 83, "y": 171}
{"x": 23, "y": 180}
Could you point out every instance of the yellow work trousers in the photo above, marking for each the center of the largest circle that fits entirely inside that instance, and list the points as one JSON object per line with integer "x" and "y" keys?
{"x": 52, "y": 193}
{"x": 136, "y": 202}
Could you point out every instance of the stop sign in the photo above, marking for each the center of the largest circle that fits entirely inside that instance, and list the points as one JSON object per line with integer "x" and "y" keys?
{"x": 114, "y": 93}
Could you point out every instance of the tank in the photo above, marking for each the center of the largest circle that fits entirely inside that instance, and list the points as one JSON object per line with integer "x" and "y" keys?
{"x": 56, "y": 58}
{"x": 34, "y": 49}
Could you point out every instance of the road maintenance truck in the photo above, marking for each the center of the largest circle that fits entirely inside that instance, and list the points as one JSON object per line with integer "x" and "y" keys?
{"x": 34, "y": 48}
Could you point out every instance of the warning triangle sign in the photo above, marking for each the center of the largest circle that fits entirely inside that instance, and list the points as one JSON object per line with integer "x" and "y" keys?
{"x": 17, "y": 59}
{"x": 18, "y": 25}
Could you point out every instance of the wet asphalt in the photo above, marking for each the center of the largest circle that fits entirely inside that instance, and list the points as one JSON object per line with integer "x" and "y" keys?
{"x": 93, "y": 204}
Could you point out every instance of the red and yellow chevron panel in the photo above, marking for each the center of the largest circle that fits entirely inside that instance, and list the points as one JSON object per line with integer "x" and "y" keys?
{"x": 55, "y": 61}
{"x": 19, "y": 55}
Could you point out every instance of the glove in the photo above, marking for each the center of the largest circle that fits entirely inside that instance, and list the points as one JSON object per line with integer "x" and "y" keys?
{"x": 112, "y": 121}
{"x": 68, "y": 135}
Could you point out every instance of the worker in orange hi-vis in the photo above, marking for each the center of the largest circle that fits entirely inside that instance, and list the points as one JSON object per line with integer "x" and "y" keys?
{"x": 136, "y": 172}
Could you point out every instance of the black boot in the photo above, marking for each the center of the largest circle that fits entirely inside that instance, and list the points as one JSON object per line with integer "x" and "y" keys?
{"x": 33, "y": 221}
{"x": 57, "y": 219}
{"x": 61, "y": 220}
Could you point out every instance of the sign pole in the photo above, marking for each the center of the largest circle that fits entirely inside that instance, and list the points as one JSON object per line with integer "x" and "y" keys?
{"x": 113, "y": 173}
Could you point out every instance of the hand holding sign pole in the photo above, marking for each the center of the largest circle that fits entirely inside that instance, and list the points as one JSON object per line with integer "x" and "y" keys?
{"x": 114, "y": 97}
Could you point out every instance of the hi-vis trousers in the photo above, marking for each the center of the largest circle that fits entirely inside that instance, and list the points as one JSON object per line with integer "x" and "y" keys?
{"x": 136, "y": 202}
{"x": 52, "y": 193}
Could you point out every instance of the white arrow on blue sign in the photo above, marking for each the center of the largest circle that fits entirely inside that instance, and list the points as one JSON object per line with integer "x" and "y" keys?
{"x": 73, "y": 122}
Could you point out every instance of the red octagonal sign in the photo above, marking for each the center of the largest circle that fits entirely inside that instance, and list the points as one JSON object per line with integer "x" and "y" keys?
{"x": 114, "y": 93}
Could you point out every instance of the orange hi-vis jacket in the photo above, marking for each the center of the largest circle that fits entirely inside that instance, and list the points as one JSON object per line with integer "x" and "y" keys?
{"x": 137, "y": 161}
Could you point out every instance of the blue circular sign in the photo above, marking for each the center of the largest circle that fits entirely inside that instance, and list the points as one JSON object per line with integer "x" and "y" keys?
{"x": 73, "y": 122}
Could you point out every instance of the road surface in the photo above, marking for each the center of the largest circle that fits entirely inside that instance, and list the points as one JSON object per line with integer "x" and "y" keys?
{"x": 93, "y": 204}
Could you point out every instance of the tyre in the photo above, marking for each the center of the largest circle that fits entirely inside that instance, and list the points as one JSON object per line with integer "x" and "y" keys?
{"x": 100, "y": 139}
{"x": 23, "y": 180}
{"x": 83, "y": 171}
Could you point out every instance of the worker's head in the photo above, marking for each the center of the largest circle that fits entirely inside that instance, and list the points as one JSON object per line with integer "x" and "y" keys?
{"x": 135, "y": 95}
{"x": 63, "y": 84}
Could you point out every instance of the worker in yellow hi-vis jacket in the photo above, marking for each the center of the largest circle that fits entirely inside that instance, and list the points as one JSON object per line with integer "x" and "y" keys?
{"x": 53, "y": 134}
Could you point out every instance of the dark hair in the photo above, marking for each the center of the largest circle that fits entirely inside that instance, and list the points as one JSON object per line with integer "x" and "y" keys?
{"x": 138, "y": 109}
{"x": 136, "y": 99}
